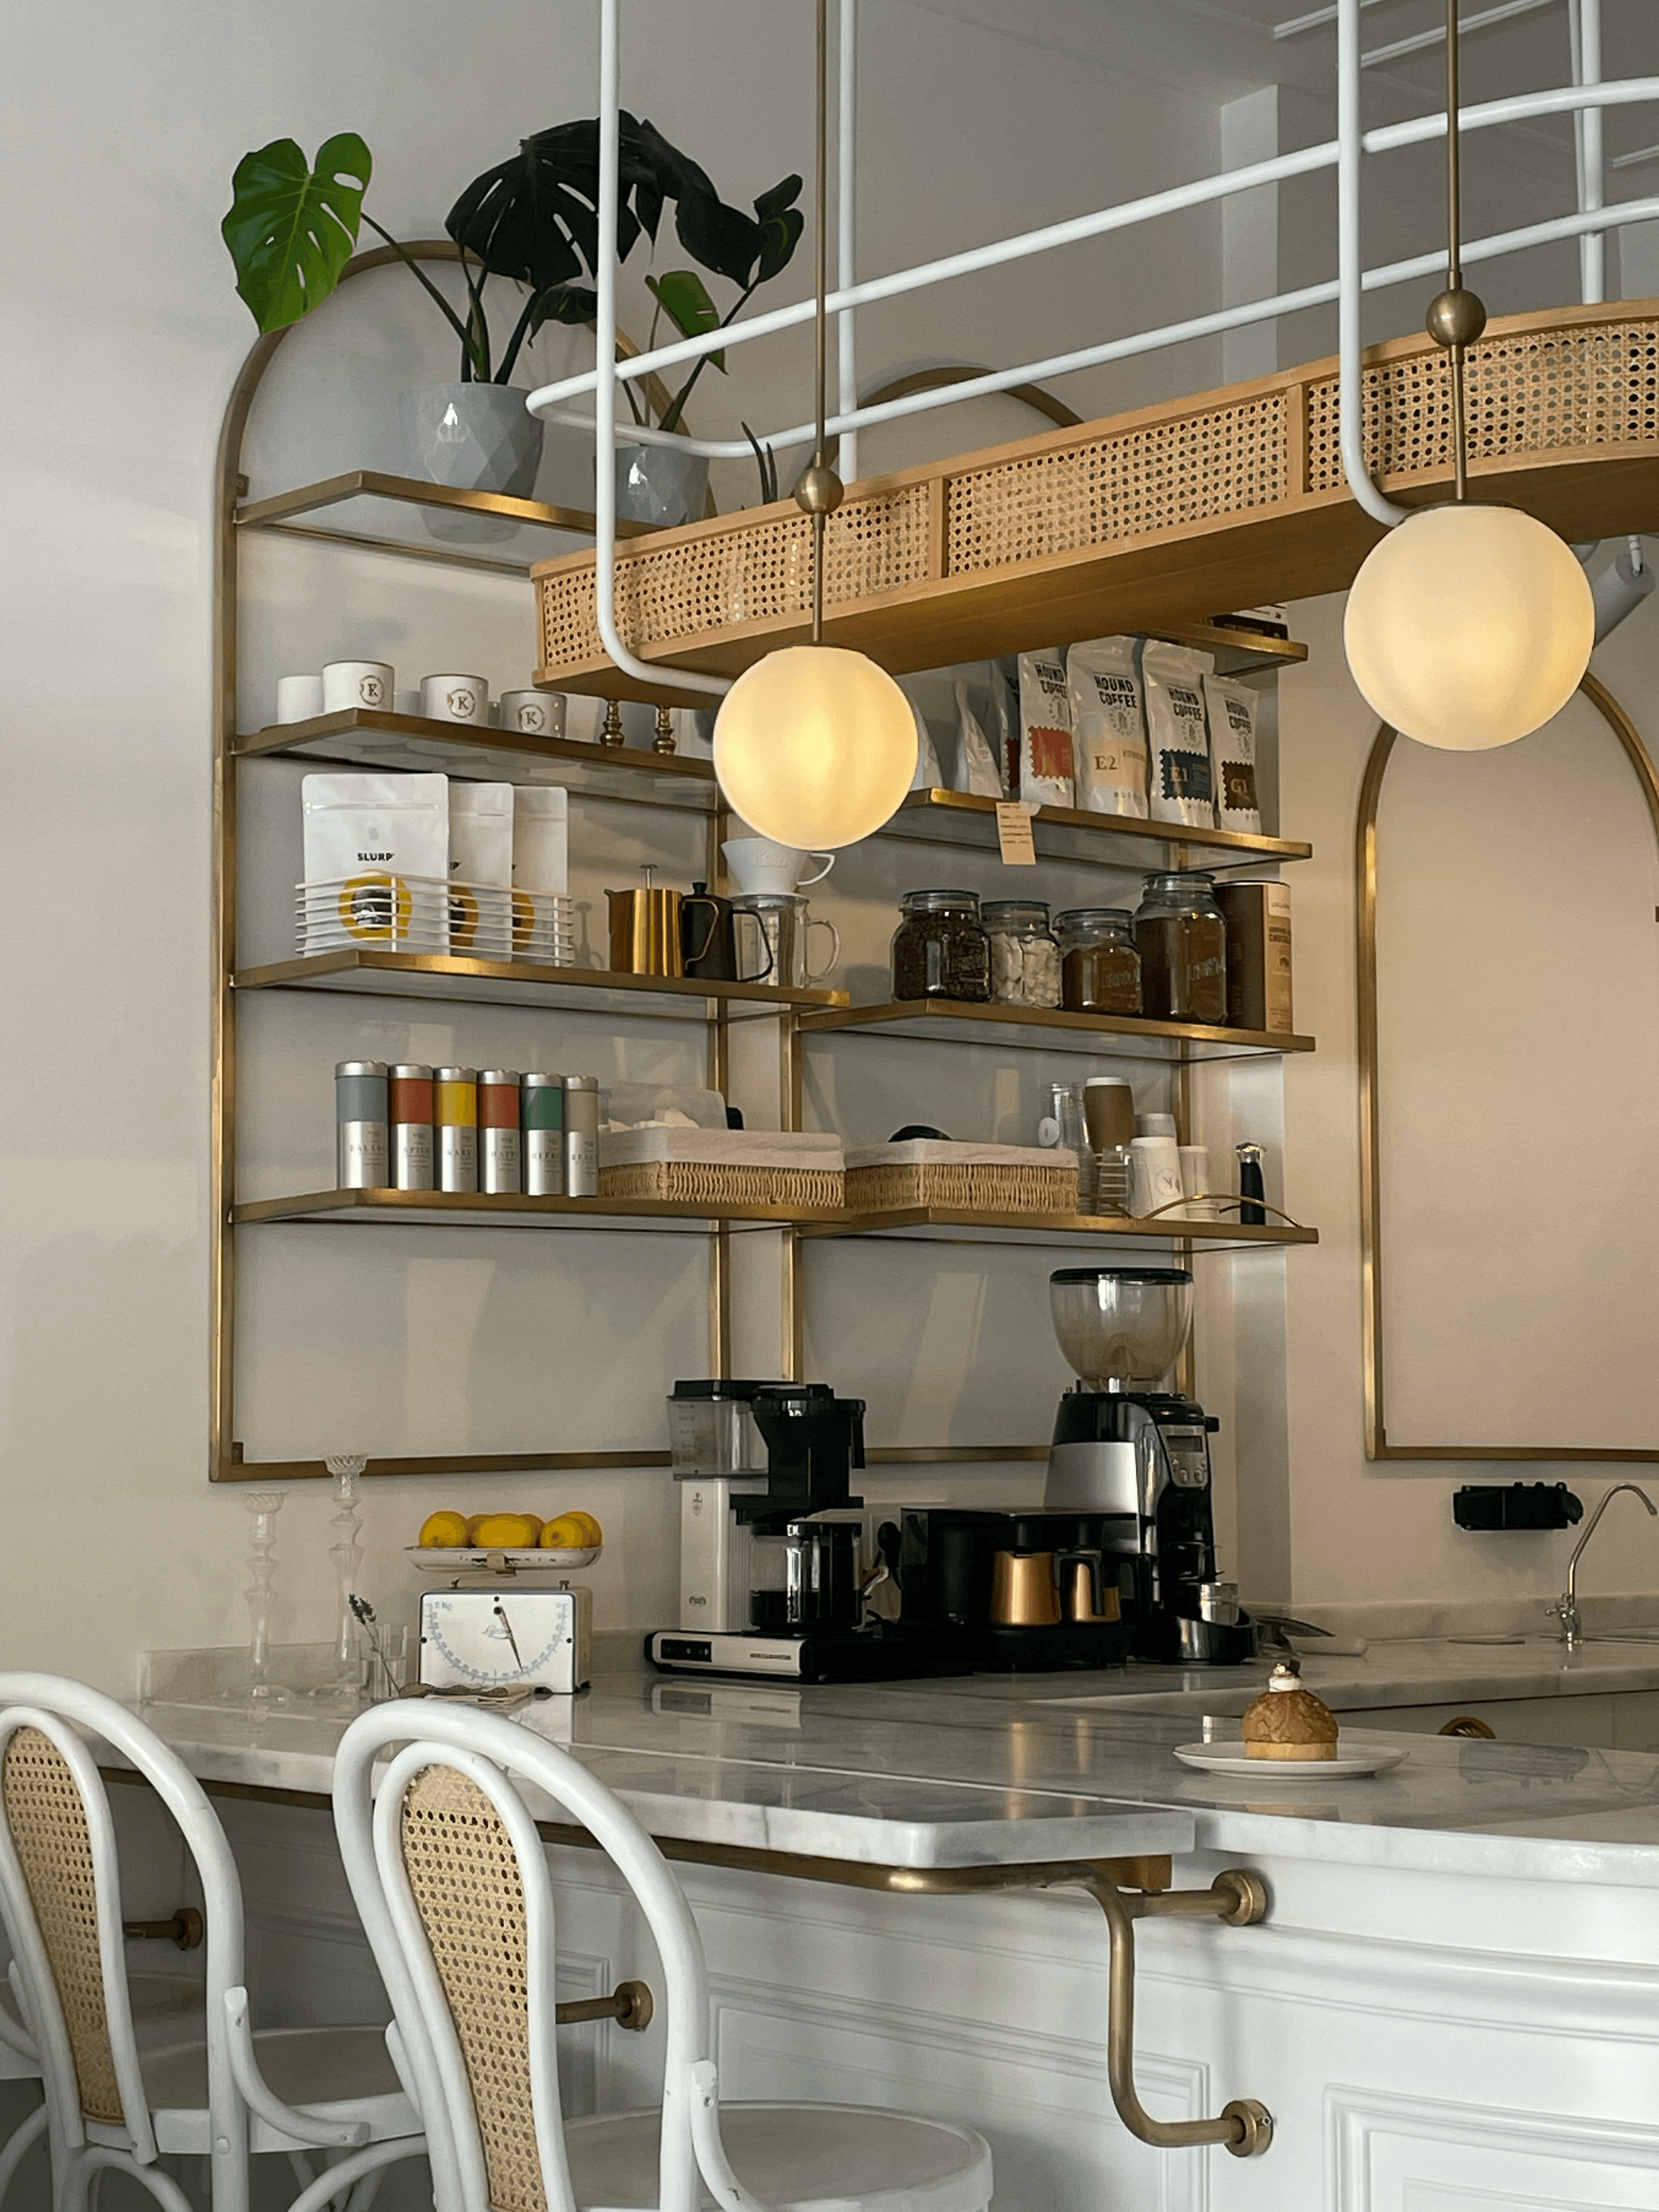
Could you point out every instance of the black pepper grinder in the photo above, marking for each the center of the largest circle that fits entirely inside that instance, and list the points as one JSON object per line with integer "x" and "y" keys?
{"x": 1252, "y": 1189}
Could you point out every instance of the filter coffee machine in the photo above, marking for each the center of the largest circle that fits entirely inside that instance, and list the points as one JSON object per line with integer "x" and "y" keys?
{"x": 771, "y": 1573}
{"x": 1125, "y": 1448}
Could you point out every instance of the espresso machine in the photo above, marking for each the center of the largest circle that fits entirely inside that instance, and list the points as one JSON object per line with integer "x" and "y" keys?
{"x": 772, "y": 1579}
{"x": 1125, "y": 1448}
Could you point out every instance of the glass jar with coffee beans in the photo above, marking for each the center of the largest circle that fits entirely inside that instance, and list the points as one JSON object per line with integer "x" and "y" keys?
{"x": 940, "y": 950}
{"x": 1025, "y": 953}
{"x": 1180, "y": 935}
{"x": 1099, "y": 967}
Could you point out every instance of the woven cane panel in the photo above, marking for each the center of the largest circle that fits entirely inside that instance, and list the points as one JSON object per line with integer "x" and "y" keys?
{"x": 48, "y": 1826}
{"x": 1528, "y": 392}
{"x": 465, "y": 1874}
{"x": 762, "y": 572}
{"x": 1164, "y": 475}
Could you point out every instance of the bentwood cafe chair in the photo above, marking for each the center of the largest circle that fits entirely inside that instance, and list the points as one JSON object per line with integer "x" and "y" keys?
{"x": 114, "y": 2099}
{"x": 452, "y": 1887}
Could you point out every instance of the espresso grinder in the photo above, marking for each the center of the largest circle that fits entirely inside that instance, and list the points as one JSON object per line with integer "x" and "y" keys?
{"x": 771, "y": 1576}
{"x": 1127, "y": 1448}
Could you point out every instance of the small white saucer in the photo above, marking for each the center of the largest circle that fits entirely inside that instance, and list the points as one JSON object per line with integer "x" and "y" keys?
{"x": 1351, "y": 1761}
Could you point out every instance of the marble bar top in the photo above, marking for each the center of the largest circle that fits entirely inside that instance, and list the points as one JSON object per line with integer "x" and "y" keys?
{"x": 1000, "y": 1770}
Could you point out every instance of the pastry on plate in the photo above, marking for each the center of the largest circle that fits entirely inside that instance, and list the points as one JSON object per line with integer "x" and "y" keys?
{"x": 1287, "y": 1722}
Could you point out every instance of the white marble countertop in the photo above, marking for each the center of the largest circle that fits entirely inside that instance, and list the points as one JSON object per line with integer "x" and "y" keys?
{"x": 994, "y": 1770}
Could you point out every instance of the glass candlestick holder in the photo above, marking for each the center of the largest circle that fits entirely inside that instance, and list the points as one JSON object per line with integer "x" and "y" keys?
{"x": 346, "y": 1553}
{"x": 262, "y": 1507}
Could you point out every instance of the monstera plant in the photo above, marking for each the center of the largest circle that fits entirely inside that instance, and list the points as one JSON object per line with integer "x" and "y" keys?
{"x": 532, "y": 221}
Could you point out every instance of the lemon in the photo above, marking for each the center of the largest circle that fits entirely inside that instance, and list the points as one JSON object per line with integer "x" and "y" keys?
{"x": 505, "y": 1532}
{"x": 570, "y": 1532}
{"x": 443, "y": 1531}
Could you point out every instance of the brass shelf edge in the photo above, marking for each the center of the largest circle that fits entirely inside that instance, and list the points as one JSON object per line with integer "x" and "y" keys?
{"x": 312, "y": 970}
{"x": 890, "y": 1013}
{"x": 282, "y": 737}
{"x": 235, "y": 1468}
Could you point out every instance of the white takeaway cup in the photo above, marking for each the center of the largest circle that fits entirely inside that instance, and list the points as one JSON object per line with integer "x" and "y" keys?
{"x": 1154, "y": 1176}
{"x": 755, "y": 864}
{"x": 348, "y": 683}
{"x": 531, "y": 714}
{"x": 299, "y": 698}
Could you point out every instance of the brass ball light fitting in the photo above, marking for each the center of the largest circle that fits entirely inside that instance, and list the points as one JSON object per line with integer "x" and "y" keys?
{"x": 1456, "y": 317}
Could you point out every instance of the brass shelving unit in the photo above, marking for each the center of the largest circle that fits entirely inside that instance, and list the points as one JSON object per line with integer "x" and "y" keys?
{"x": 673, "y": 783}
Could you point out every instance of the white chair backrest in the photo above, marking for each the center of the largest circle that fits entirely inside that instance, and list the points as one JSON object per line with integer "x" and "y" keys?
{"x": 452, "y": 1883}
{"x": 60, "y": 1896}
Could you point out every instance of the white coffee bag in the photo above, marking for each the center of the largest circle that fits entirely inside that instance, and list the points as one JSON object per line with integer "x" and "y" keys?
{"x": 481, "y": 869}
{"x": 929, "y": 776}
{"x": 1109, "y": 727}
{"x": 1232, "y": 711}
{"x": 541, "y": 837}
{"x": 1177, "y": 731}
{"x": 1045, "y": 730}
{"x": 376, "y": 852}
{"x": 541, "y": 869}
{"x": 977, "y": 771}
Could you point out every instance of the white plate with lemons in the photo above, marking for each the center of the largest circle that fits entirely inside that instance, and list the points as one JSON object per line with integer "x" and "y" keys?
{"x": 451, "y": 1542}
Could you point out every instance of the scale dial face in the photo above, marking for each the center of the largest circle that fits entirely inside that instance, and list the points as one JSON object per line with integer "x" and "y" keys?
{"x": 469, "y": 1632}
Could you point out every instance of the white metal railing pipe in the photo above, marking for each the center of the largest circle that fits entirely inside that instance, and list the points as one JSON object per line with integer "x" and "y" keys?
{"x": 1350, "y": 269}
{"x": 1585, "y": 16}
{"x": 847, "y": 357}
{"x": 1387, "y": 138}
{"x": 1212, "y": 325}
{"x": 605, "y": 404}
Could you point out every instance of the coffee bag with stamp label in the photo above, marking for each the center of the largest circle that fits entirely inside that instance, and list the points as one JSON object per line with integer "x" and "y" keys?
{"x": 376, "y": 862}
{"x": 1109, "y": 727}
{"x": 1043, "y": 772}
{"x": 1177, "y": 731}
{"x": 1232, "y": 711}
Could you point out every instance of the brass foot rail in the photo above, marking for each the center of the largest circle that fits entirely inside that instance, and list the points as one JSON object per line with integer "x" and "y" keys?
{"x": 630, "y": 2004}
{"x": 1125, "y": 1890}
{"x": 184, "y": 1929}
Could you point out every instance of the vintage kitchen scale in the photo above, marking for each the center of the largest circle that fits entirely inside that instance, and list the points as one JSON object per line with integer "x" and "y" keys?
{"x": 506, "y": 1619}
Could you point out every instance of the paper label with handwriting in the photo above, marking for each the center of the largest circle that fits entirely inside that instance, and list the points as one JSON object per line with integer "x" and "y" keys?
{"x": 1014, "y": 834}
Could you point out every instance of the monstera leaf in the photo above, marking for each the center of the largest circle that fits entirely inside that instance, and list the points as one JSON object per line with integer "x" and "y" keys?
{"x": 293, "y": 226}
{"x": 536, "y": 217}
{"x": 683, "y": 298}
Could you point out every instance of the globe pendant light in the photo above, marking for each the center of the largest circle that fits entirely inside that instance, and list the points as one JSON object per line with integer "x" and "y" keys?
{"x": 816, "y": 746}
{"x": 1469, "y": 626}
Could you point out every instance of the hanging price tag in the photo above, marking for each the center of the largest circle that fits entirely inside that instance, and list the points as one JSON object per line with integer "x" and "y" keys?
{"x": 1014, "y": 834}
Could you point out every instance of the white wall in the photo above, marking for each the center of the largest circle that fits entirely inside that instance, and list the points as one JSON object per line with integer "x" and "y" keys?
{"x": 122, "y": 128}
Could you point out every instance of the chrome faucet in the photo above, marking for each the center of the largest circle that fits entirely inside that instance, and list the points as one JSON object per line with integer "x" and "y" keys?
{"x": 1566, "y": 1609}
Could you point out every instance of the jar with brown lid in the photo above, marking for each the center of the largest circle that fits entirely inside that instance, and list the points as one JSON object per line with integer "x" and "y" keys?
{"x": 1182, "y": 937}
{"x": 940, "y": 950}
{"x": 1100, "y": 969}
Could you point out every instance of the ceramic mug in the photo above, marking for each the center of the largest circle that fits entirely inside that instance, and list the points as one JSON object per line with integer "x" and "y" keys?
{"x": 755, "y": 864}
{"x": 357, "y": 684}
{"x": 1154, "y": 1176}
{"x": 454, "y": 698}
{"x": 299, "y": 697}
{"x": 531, "y": 714}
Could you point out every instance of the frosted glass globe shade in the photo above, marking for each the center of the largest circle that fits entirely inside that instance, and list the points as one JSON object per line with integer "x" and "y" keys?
{"x": 1469, "y": 626}
{"x": 815, "y": 746}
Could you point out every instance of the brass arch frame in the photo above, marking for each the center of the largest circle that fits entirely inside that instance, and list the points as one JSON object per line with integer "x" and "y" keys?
{"x": 1377, "y": 1446}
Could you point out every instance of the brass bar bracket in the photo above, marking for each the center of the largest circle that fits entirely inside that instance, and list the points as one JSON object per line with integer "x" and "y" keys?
{"x": 1237, "y": 1899}
{"x": 183, "y": 1929}
{"x": 630, "y": 2004}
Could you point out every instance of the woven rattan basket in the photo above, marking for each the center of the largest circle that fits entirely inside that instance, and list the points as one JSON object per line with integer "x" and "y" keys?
{"x": 976, "y": 1178}
{"x": 723, "y": 1166}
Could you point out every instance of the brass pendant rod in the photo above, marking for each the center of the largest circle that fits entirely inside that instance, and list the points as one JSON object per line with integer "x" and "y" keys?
{"x": 1455, "y": 250}
{"x": 821, "y": 282}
